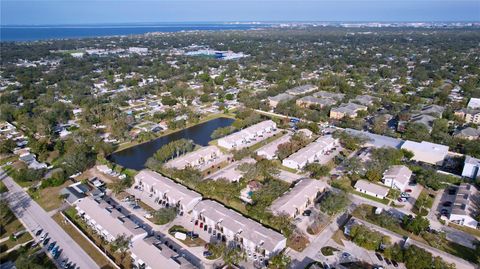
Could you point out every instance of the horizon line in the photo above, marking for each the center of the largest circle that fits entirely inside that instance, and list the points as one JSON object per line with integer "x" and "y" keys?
{"x": 249, "y": 22}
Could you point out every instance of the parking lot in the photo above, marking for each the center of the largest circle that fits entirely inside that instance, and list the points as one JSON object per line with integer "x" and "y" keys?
{"x": 414, "y": 193}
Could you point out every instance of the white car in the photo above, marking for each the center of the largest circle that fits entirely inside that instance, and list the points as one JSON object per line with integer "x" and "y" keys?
{"x": 148, "y": 216}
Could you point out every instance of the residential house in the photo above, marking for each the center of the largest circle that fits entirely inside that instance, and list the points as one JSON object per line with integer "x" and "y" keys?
{"x": 299, "y": 198}
{"x": 424, "y": 119}
{"x": 273, "y": 101}
{"x": 468, "y": 133}
{"x": 371, "y": 189}
{"x": 346, "y": 110}
{"x": 433, "y": 110}
{"x": 426, "y": 152}
{"x": 201, "y": 159}
{"x": 249, "y": 136}
{"x": 311, "y": 153}
{"x": 231, "y": 226}
{"x": 471, "y": 168}
{"x": 269, "y": 151}
{"x": 397, "y": 177}
{"x": 463, "y": 209}
{"x": 158, "y": 191}
{"x": 303, "y": 89}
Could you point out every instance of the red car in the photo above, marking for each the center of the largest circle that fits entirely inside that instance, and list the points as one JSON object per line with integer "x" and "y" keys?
{"x": 408, "y": 190}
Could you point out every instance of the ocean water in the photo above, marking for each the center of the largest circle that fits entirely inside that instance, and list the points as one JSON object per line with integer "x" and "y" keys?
{"x": 45, "y": 32}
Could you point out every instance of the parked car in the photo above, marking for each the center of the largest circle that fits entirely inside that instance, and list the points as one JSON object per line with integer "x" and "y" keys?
{"x": 38, "y": 232}
{"x": 207, "y": 254}
{"x": 379, "y": 257}
{"x": 43, "y": 236}
{"x": 50, "y": 247}
{"x": 192, "y": 234}
{"x": 405, "y": 195}
{"x": 412, "y": 183}
{"x": 394, "y": 263}
{"x": 444, "y": 212}
{"x": 307, "y": 212}
{"x": 408, "y": 190}
{"x": 447, "y": 204}
{"x": 57, "y": 254}
{"x": 45, "y": 242}
{"x": 452, "y": 191}
{"x": 388, "y": 261}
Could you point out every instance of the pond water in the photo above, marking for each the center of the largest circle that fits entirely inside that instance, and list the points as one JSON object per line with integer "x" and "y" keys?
{"x": 135, "y": 157}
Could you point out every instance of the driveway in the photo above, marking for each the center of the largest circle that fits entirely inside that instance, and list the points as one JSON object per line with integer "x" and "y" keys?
{"x": 33, "y": 217}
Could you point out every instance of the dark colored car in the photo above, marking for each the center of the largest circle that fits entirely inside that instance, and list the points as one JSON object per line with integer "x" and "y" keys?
{"x": 57, "y": 254}
{"x": 394, "y": 263}
{"x": 45, "y": 242}
{"x": 379, "y": 257}
{"x": 447, "y": 204}
{"x": 39, "y": 232}
{"x": 50, "y": 247}
{"x": 307, "y": 212}
{"x": 412, "y": 183}
{"x": 192, "y": 234}
{"x": 207, "y": 254}
{"x": 388, "y": 261}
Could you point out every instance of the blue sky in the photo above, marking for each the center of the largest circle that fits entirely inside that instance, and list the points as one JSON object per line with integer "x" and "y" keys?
{"x": 128, "y": 11}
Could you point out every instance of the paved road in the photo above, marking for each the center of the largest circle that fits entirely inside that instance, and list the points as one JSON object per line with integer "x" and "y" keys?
{"x": 460, "y": 263}
{"x": 33, "y": 217}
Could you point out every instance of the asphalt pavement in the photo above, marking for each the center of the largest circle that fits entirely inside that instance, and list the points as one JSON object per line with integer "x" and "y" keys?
{"x": 34, "y": 217}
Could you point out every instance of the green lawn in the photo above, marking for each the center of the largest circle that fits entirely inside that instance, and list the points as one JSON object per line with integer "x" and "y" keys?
{"x": 423, "y": 204}
{"x": 469, "y": 230}
{"x": 191, "y": 242}
{"x": 3, "y": 188}
{"x": 49, "y": 198}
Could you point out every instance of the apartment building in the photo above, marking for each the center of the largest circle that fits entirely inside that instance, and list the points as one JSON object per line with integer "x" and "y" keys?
{"x": 308, "y": 101}
{"x": 273, "y": 101}
{"x": 426, "y": 152}
{"x": 346, "y": 110}
{"x": 149, "y": 254}
{"x": 313, "y": 152}
{"x": 231, "y": 226}
{"x": 299, "y": 198}
{"x": 269, "y": 151}
{"x": 107, "y": 220}
{"x": 249, "y": 136}
{"x": 335, "y": 97}
{"x": 303, "y": 89}
{"x": 471, "y": 168}
{"x": 463, "y": 206}
{"x": 469, "y": 115}
{"x": 158, "y": 191}
{"x": 201, "y": 159}
{"x": 397, "y": 177}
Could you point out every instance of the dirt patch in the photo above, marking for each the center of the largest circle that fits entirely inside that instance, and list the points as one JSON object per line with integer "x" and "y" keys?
{"x": 93, "y": 172}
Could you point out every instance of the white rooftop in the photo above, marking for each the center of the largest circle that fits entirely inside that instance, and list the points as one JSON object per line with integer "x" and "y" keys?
{"x": 166, "y": 185}
{"x": 371, "y": 187}
{"x": 474, "y": 103}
